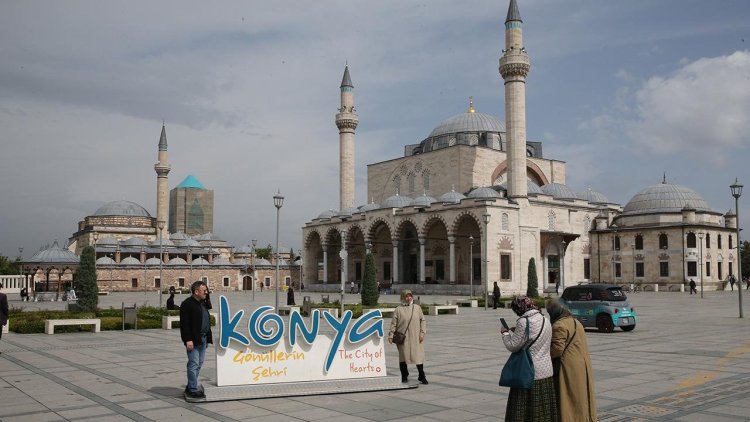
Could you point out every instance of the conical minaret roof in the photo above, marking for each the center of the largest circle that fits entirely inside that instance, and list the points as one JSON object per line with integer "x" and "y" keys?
{"x": 163, "y": 139}
{"x": 513, "y": 13}
{"x": 347, "y": 80}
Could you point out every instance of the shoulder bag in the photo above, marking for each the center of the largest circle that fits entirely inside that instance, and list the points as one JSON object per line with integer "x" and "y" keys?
{"x": 398, "y": 336}
{"x": 518, "y": 371}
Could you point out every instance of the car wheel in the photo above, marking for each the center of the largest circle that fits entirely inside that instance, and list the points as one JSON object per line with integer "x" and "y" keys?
{"x": 628, "y": 328}
{"x": 604, "y": 323}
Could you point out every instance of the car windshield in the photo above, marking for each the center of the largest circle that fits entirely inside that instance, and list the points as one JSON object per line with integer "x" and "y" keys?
{"x": 614, "y": 294}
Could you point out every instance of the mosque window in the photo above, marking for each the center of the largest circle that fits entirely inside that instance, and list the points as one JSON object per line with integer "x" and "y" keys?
{"x": 663, "y": 241}
{"x": 618, "y": 270}
{"x": 691, "y": 243}
{"x": 639, "y": 269}
{"x": 730, "y": 242}
{"x": 157, "y": 282}
{"x": 692, "y": 269}
{"x": 639, "y": 242}
{"x": 397, "y": 184}
{"x": 708, "y": 240}
{"x": 505, "y": 272}
{"x": 426, "y": 180}
{"x": 551, "y": 220}
{"x": 587, "y": 224}
{"x": 181, "y": 282}
{"x": 134, "y": 283}
{"x": 617, "y": 243}
{"x": 664, "y": 269}
{"x": 587, "y": 268}
{"x": 708, "y": 268}
{"x": 410, "y": 182}
{"x": 504, "y": 221}
{"x": 718, "y": 241}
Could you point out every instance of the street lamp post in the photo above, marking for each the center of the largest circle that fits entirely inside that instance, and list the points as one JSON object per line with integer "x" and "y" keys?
{"x": 254, "y": 242}
{"x": 737, "y": 192}
{"x": 161, "y": 257}
{"x": 702, "y": 265}
{"x": 471, "y": 266}
{"x": 278, "y": 202}
{"x": 485, "y": 260}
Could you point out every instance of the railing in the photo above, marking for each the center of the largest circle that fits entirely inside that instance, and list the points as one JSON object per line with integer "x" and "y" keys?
{"x": 13, "y": 283}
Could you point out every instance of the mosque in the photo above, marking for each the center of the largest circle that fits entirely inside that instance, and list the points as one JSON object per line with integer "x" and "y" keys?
{"x": 134, "y": 252}
{"x": 474, "y": 202}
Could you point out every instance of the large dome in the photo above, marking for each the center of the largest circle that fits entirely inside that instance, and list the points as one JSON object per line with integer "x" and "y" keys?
{"x": 122, "y": 208}
{"x": 663, "y": 198}
{"x": 468, "y": 122}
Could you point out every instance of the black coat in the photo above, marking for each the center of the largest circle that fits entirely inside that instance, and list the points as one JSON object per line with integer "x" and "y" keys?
{"x": 190, "y": 322}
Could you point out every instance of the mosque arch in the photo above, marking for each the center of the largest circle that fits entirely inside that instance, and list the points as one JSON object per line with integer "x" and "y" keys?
{"x": 437, "y": 250}
{"x": 407, "y": 236}
{"x": 533, "y": 172}
{"x": 459, "y": 220}
{"x": 376, "y": 226}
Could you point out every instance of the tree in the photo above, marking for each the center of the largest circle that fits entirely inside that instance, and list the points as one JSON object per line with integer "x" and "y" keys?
{"x": 264, "y": 253}
{"x": 745, "y": 258}
{"x": 369, "y": 293}
{"x": 85, "y": 281}
{"x": 531, "y": 290}
{"x": 8, "y": 267}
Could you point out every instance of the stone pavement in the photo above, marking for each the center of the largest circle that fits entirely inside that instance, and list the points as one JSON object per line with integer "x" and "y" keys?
{"x": 687, "y": 360}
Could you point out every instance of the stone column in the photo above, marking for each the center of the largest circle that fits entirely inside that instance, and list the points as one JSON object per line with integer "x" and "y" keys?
{"x": 325, "y": 263}
{"x": 452, "y": 259}
{"x": 394, "y": 270}
{"x": 421, "y": 260}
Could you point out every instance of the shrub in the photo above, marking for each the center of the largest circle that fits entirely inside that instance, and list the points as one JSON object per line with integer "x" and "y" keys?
{"x": 533, "y": 286}
{"x": 370, "y": 293}
{"x": 85, "y": 281}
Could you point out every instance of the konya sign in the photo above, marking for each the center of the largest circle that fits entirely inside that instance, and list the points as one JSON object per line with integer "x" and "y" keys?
{"x": 270, "y": 350}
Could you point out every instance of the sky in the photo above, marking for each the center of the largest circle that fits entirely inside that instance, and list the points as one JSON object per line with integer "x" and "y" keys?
{"x": 624, "y": 92}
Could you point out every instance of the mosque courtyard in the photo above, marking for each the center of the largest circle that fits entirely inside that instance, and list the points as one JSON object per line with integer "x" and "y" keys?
{"x": 687, "y": 360}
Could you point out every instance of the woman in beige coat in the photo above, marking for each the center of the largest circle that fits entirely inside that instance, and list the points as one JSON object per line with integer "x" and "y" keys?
{"x": 575, "y": 381}
{"x": 409, "y": 319}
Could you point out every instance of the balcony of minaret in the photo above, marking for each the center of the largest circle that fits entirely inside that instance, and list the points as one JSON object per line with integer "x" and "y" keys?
{"x": 514, "y": 65}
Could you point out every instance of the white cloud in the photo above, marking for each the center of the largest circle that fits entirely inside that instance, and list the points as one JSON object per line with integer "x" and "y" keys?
{"x": 701, "y": 109}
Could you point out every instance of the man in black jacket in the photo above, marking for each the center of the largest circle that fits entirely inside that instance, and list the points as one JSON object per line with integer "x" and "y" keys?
{"x": 195, "y": 328}
{"x": 3, "y": 311}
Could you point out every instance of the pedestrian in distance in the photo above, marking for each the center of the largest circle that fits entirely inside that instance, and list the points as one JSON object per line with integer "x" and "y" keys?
{"x": 557, "y": 286}
{"x": 3, "y": 310}
{"x": 24, "y": 294}
{"x": 571, "y": 362}
{"x": 732, "y": 280}
{"x": 692, "y": 287}
{"x": 539, "y": 403}
{"x": 170, "y": 301}
{"x": 195, "y": 330}
{"x": 351, "y": 287}
{"x": 495, "y": 295}
{"x": 747, "y": 283}
{"x": 290, "y": 296}
{"x": 409, "y": 320}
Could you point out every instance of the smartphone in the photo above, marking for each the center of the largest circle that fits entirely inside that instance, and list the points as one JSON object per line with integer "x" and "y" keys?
{"x": 505, "y": 324}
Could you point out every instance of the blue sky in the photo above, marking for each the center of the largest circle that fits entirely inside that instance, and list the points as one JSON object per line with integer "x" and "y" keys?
{"x": 622, "y": 91}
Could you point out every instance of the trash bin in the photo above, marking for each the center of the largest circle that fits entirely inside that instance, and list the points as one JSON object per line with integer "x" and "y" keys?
{"x": 129, "y": 316}
{"x": 306, "y": 305}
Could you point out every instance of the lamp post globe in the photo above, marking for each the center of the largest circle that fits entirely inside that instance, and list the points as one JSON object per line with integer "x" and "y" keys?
{"x": 278, "y": 202}
{"x": 736, "y": 188}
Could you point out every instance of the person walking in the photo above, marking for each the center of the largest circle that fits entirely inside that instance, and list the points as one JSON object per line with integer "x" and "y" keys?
{"x": 692, "y": 287}
{"x": 290, "y": 296}
{"x": 170, "y": 301}
{"x": 495, "y": 295}
{"x": 195, "y": 329}
{"x": 3, "y": 311}
{"x": 409, "y": 320}
{"x": 732, "y": 280}
{"x": 573, "y": 374}
{"x": 747, "y": 283}
{"x": 537, "y": 404}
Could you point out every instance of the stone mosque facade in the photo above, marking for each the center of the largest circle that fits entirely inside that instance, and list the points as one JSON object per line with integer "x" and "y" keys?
{"x": 475, "y": 201}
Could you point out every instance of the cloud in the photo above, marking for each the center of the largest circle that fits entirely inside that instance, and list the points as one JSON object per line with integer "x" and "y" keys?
{"x": 701, "y": 109}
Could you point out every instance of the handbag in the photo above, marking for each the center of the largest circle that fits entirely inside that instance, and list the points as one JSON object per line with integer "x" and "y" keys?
{"x": 556, "y": 362}
{"x": 399, "y": 337}
{"x": 518, "y": 371}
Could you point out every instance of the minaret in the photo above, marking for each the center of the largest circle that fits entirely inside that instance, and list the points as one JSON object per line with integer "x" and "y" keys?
{"x": 346, "y": 121}
{"x": 162, "y": 170}
{"x": 514, "y": 67}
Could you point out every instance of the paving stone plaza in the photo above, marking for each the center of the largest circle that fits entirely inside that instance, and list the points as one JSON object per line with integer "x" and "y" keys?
{"x": 687, "y": 360}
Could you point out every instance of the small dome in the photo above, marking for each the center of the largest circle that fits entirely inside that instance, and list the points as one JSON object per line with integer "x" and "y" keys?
{"x": 347, "y": 212}
{"x": 423, "y": 201}
{"x": 164, "y": 241}
{"x": 152, "y": 261}
{"x": 369, "y": 207}
{"x": 178, "y": 236}
{"x": 452, "y": 197}
{"x": 665, "y": 198}
{"x": 130, "y": 261}
{"x": 531, "y": 187}
{"x": 396, "y": 201}
{"x": 177, "y": 261}
{"x": 558, "y": 191}
{"x": 593, "y": 197}
{"x": 55, "y": 254}
{"x": 200, "y": 261}
{"x": 262, "y": 262}
{"x": 247, "y": 249}
{"x": 135, "y": 241}
{"x": 468, "y": 122}
{"x": 192, "y": 242}
{"x": 122, "y": 208}
{"x": 483, "y": 193}
{"x": 326, "y": 215}
{"x": 221, "y": 261}
{"x": 105, "y": 260}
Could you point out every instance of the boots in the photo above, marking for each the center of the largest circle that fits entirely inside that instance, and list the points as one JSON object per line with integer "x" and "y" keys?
{"x": 422, "y": 378}
{"x": 404, "y": 372}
